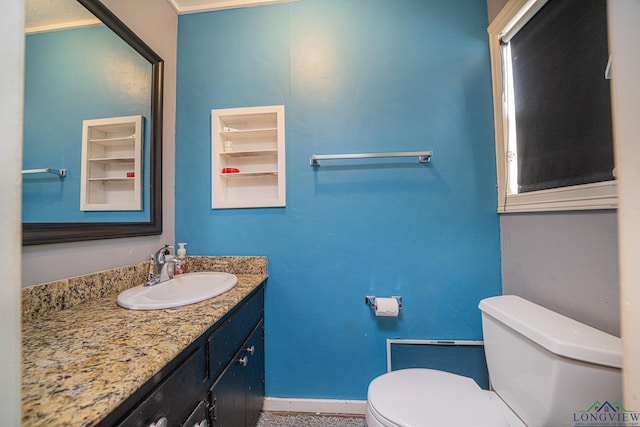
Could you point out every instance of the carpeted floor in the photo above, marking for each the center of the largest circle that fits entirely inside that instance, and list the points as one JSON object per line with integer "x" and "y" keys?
{"x": 268, "y": 419}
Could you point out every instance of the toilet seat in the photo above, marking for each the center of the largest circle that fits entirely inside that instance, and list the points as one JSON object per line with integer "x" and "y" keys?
{"x": 427, "y": 397}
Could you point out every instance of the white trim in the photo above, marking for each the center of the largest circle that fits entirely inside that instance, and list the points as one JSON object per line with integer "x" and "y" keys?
{"x": 624, "y": 34}
{"x": 174, "y": 6}
{"x": 11, "y": 103}
{"x": 315, "y": 406}
{"x": 209, "y": 6}
{"x": 601, "y": 195}
{"x": 519, "y": 20}
{"x": 508, "y": 16}
{"x": 498, "y": 113}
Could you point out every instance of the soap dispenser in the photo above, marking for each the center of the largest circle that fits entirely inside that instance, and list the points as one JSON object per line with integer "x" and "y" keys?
{"x": 181, "y": 253}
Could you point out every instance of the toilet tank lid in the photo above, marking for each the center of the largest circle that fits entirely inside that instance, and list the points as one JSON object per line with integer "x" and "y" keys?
{"x": 557, "y": 333}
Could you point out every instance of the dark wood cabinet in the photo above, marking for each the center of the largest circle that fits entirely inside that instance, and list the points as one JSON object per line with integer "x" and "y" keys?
{"x": 217, "y": 381}
{"x": 175, "y": 398}
{"x": 254, "y": 377}
{"x": 236, "y": 397}
{"x": 199, "y": 417}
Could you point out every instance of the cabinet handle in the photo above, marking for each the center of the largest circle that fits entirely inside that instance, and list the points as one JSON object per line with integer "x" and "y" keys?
{"x": 213, "y": 409}
{"x": 243, "y": 361}
{"x": 162, "y": 422}
{"x": 251, "y": 350}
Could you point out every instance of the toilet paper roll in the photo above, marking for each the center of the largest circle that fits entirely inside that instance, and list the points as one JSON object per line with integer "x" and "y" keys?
{"x": 387, "y": 307}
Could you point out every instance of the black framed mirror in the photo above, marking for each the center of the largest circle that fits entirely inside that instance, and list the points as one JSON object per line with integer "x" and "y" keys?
{"x": 36, "y": 233}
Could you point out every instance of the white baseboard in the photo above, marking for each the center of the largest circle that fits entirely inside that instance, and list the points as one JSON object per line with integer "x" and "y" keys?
{"x": 319, "y": 406}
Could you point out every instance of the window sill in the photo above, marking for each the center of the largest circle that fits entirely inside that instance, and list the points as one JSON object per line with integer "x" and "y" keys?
{"x": 599, "y": 195}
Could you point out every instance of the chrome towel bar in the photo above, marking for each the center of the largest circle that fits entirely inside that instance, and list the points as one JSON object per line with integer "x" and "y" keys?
{"x": 423, "y": 156}
{"x": 59, "y": 172}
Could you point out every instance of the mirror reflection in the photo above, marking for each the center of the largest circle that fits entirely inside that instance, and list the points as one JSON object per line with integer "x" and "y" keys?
{"x": 77, "y": 69}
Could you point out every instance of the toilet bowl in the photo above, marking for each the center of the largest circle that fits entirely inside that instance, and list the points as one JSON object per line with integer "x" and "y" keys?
{"x": 543, "y": 367}
{"x": 427, "y": 397}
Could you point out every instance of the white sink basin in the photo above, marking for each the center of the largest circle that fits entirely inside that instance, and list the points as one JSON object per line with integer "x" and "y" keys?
{"x": 181, "y": 290}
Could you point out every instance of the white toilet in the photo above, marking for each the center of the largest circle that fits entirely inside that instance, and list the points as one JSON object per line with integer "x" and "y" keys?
{"x": 543, "y": 368}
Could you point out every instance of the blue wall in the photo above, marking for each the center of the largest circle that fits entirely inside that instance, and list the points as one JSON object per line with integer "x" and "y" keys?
{"x": 356, "y": 76}
{"x": 71, "y": 76}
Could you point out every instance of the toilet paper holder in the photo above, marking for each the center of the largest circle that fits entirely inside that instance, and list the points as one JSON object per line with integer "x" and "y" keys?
{"x": 371, "y": 301}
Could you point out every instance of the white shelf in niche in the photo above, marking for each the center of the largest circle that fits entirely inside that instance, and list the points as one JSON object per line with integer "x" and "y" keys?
{"x": 243, "y": 174}
{"x": 113, "y": 160}
{"x": 111, "y": 149}
{"x": 111, "y": 179}
{"x": 250, "y": 133}
{"x": 272, "y": 152}
{"x": 256, "y": 136}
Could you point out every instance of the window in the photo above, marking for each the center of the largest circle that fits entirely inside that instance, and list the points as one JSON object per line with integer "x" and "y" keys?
{"x": 552, "y": 106}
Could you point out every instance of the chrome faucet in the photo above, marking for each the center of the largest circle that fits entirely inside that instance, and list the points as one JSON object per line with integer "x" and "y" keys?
{"x": 163, "y": 269}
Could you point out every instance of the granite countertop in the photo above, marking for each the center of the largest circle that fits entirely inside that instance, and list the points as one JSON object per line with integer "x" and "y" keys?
{"x": 81, "y": 363}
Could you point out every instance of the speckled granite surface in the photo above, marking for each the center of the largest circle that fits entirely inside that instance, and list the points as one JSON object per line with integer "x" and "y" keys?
{"x": 81, "y": 362}
{"x": 47, "y": 298}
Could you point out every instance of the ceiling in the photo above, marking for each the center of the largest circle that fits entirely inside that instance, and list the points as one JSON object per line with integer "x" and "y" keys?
{"x": 48, "y": 15}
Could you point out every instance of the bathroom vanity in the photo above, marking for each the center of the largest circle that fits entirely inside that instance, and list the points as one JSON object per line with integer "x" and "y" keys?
{"x": 196, "y": 365}
{"x": 219, "y": 379}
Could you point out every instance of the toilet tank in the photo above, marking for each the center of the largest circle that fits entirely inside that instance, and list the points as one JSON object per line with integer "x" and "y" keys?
{"x": 548, "y": 368}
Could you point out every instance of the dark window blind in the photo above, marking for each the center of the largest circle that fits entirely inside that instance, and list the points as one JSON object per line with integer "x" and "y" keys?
{"x": 562, "y": 99}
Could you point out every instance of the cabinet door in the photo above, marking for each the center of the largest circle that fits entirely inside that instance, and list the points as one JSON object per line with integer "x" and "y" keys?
{"x": 254, "y": 379}
{"x": 227, "y": 397}
{"x": 237, "y": 396}
{"x": 229, "y": 338}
